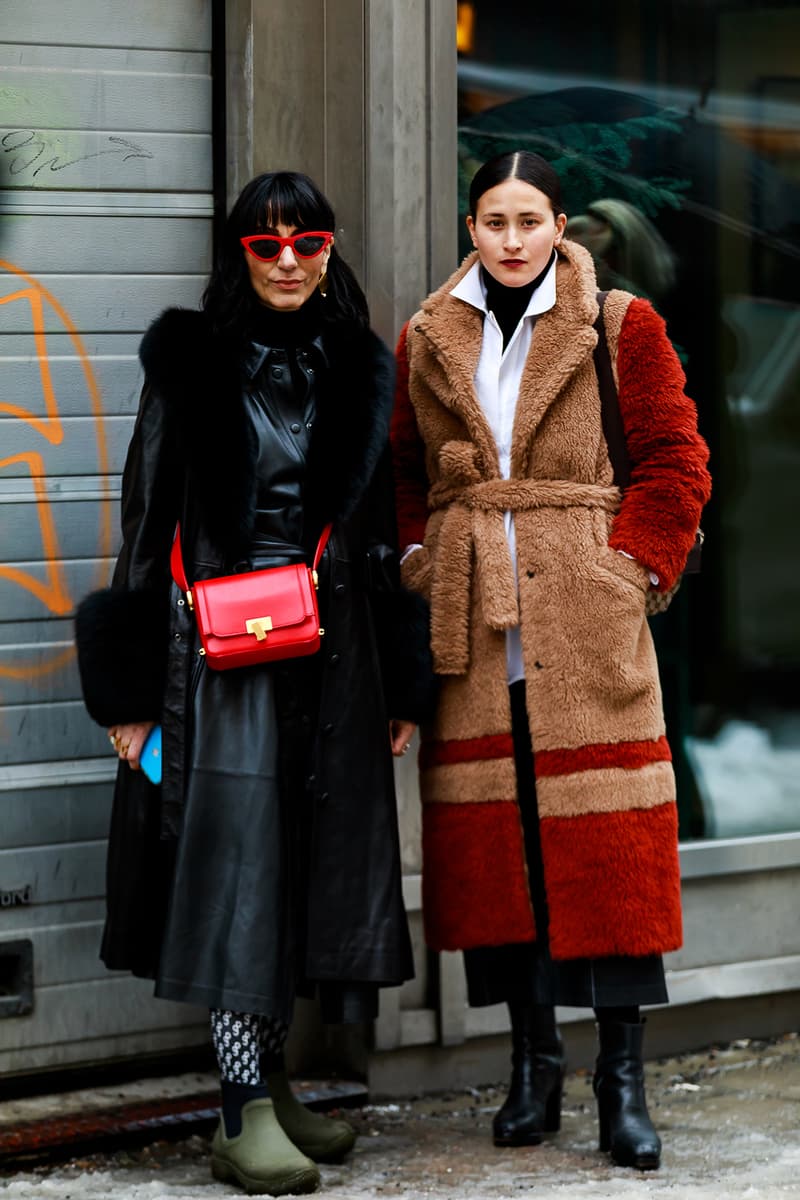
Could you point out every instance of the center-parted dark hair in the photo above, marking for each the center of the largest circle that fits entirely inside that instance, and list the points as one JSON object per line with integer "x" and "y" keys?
{"x": 516, "y": 164}
{"x": 277, "y": 197}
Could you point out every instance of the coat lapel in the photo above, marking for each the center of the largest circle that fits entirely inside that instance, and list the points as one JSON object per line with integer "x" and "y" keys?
{"x": 454, "y": 332}
{"x": 351, "y": 429}
{"x": 196, "y": 377}
{"x": 563, "y": 339}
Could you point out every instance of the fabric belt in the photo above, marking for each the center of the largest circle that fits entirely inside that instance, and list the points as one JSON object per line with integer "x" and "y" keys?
{"x": 472, "y": 542}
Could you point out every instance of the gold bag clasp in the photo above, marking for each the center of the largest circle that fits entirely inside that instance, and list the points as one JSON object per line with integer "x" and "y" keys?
{"x": 260, "y": 626}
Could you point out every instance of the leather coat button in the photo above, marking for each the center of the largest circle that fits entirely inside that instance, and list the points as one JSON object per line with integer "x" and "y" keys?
{"x": 295, "y": 427}
{"x": 327, "y": 730}
{"x": 334, "y": 660}
{"x": 339, "y": 588}
{"x": 277, "y": 372}
{"x": 325, "y": 797}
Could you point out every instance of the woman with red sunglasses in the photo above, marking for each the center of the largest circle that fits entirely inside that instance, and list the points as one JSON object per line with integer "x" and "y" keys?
{"x": 266, "y": 864}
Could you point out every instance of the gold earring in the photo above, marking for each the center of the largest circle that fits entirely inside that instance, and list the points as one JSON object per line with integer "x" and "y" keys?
{"x": 323, "y": 283}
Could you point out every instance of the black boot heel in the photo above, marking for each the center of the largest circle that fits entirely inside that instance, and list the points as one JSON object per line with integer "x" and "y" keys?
{"x": 605, "y": 1135}
{"x": 533, "y": 1105}
{"x": 626, "y": 1131}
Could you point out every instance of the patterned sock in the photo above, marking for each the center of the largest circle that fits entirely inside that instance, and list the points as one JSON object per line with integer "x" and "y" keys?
{"x": 237, "y": 1046}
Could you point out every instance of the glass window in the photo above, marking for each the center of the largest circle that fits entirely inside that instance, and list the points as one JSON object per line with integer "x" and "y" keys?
{"x": 675, "y": 127}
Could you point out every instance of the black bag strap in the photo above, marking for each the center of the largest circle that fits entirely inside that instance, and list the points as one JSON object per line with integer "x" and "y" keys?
{"x": 613, "y": 431}
{"x": 610, "y": 415}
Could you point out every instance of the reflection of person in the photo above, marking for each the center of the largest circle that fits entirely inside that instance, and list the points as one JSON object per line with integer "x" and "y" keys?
{"x": 549, "y": 819}
{"x": 268, "y": 860}
{"x": 627, "y": 249}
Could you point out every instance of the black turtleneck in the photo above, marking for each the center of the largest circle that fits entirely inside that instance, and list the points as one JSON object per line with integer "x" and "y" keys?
{"x": 281, "y": 330}
{"x": 509, "y": 303}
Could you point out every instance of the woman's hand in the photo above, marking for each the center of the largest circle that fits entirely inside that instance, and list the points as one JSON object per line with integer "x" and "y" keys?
{"x": 654, "y": 580}
{"x": 400, "y": 734}
{"x": 128, "y": 740}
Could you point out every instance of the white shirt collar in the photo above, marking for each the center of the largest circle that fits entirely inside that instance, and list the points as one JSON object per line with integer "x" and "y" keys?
{"x": 471, "y": 289}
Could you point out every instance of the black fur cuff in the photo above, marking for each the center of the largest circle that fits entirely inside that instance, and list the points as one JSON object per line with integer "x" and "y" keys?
{"x": 122, "y": 639}
{"x": 402, "y": 625}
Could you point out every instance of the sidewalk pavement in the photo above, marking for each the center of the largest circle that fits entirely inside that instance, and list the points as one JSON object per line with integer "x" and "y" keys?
{"x": 729, "y": 1119}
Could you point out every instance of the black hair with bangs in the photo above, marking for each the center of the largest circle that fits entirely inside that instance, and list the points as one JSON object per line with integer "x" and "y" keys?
{"x": 277, "y": 197}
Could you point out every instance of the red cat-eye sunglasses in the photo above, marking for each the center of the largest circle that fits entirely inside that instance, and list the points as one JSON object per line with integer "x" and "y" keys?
{"x": 266, "y": 247}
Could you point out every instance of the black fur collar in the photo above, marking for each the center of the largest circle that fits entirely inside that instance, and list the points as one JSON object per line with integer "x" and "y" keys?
{"x": 201, "y": 383}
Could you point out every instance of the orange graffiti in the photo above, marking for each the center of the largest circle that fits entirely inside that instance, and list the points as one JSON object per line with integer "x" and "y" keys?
{"x": 54, "y": 595}
{"x": 51, "y": 428}
{"x": 53, "y": 592}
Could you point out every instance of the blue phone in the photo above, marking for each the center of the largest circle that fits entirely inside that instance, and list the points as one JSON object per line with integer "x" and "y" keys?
{"x": 150, "y": 758}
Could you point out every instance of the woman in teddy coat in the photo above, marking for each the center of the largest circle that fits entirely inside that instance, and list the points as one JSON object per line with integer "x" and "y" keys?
{"x": 267, "y": 861}
{"x": 549, "y": 819}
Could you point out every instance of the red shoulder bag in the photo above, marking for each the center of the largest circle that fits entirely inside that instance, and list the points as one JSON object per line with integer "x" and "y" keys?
{"x": 255, "y": 617}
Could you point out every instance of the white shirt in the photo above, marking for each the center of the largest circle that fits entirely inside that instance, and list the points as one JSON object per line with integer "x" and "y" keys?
{"x": 497, "y": 381}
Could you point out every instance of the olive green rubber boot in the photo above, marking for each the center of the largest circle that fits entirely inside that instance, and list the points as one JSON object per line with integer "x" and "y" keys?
{"x": 261, "y": 1159}
{"x": 325, "y": 1139}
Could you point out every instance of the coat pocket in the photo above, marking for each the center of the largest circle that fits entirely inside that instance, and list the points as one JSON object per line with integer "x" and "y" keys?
{"x": 627, "y": 571}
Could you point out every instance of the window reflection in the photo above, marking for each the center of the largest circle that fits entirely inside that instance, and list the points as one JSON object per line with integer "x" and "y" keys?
{"x": 675, "y": 128}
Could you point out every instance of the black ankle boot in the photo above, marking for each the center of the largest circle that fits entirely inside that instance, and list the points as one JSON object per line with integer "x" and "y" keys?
{"x": 626, "y": 1130}
{"x": 533, "y": 1105}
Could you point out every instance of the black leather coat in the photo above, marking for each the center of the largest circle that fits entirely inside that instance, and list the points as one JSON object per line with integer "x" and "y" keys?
{"x": 193, "y": 458}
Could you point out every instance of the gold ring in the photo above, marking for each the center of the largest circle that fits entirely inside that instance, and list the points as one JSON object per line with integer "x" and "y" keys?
{"x": 123, "y": 750}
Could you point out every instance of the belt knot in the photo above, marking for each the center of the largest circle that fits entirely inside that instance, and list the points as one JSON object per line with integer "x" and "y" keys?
{"x": 472, "y": 542}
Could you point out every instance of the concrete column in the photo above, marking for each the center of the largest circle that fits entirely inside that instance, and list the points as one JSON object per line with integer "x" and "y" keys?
{"x": 361, "y": 95}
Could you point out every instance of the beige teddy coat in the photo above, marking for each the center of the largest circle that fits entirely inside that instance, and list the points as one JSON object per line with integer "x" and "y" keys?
{"x": 604, "y": 779}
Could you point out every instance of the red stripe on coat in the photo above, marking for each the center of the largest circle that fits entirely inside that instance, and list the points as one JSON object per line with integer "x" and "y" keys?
{"x": 463, "y": 750}
{"x": 474, "y": 883}
{"x": 628, "y": 755}
{"x": 613, "y": 883}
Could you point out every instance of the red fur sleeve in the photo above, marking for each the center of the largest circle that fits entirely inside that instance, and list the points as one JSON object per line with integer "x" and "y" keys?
{"x": 408, "y": 455}
{"x": 669, "y": 485}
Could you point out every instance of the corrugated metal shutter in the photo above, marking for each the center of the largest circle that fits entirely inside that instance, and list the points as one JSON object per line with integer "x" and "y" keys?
{"x": 105, "y": 219}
